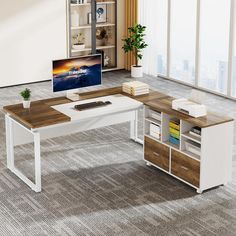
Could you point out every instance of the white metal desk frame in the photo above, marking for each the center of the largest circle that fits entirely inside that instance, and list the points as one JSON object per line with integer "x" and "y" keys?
{"x": 35, "y": 135}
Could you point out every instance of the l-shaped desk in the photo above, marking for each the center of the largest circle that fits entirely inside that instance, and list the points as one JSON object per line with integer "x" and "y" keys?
{"x": 56, "y": 117}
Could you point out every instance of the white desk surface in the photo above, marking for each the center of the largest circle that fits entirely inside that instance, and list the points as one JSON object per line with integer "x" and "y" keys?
{"x": 120, "y": 103}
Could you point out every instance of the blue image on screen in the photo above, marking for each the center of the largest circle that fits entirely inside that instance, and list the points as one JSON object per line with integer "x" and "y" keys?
{"x": 89, "y": 74}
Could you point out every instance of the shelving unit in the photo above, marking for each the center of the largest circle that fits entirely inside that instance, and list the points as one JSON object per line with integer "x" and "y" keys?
{"x": 102, "y": 37}
{"x": 209, "y": 168}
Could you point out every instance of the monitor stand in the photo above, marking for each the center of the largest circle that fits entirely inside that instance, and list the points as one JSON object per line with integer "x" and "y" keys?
{"x": 73, "y": 95}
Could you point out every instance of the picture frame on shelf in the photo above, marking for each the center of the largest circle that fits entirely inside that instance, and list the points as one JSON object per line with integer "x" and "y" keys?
{"x": 101, "y": 13}
{"x": 89, "y": 18}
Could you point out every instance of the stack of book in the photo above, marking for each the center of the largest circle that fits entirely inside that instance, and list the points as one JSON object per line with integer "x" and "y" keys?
{"x": 174, "y": 127}
{"x": 195, "y": 131}
{"x": 135, "y": 88}
{"x": 155, "y": 131}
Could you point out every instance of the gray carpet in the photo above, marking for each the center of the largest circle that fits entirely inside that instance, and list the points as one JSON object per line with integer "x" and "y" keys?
{"x": 96, "y": 183}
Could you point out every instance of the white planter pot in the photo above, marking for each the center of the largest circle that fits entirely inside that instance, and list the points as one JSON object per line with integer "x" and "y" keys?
{"x": 136, "y": 72}
{"x": 78, "y": 47}
{"x": 26, "y": 104}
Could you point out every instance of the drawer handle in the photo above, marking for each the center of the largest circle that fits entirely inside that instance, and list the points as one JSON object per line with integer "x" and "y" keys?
{"x": 184, "y": 168}
{"x": 156, "y": 154}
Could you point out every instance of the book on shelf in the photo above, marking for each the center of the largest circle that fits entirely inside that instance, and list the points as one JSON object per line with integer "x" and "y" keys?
{"x": 174, "y": 125}
{"x": 155, "y": 135}
{"x": 173, "y": 140}
{"x": 194, "y": 134}
{"x": 175, "y": 135}
{"x": 196, "y": 130}
{"x": 174, "y": 131}
{"x": 155, "y": 116}
{"x": 155, "y": 128}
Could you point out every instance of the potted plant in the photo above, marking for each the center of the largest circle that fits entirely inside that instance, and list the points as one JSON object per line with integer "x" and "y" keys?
{"x": 135, "y": 43}
{"x": 26, "y": 94}
{"x": 79, "y": 42}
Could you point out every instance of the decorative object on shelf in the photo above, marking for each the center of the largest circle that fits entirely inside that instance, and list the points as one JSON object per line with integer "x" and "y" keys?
{"x": 89, "y": 20}
{"x": 155, "y": 131}
{"x": 103, "y": 35}
{"x": 107, "y": 60}
{"x": 74, "y": 19}
{"x": 189, "y": 107}
{"x": 135, "y": 88}
{"x": 26, "y": 94}
{"x": 135, "y": 43}
{"x": 101, "y": 13}
{"x": 78, "y": 1}
{"x": 195, "y": 131}
{"x": 78, "y": 42}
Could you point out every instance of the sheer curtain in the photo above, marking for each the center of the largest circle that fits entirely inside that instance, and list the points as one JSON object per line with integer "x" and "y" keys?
{"x": 153, "y": 14}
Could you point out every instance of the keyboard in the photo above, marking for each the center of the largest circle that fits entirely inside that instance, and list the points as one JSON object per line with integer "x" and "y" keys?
{"x": 91, "y": 105}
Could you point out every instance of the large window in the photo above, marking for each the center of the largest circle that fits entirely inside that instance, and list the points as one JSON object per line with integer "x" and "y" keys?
{"x": 189, "y": 41}
{"x": 153, "y": 14}
{"x": 234, "y": 56}
{"x": 214, "y": 44}
{"x": 183, "y": 40}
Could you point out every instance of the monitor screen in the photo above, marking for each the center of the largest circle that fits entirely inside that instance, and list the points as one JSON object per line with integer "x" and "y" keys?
{"x": 77, "y": 73}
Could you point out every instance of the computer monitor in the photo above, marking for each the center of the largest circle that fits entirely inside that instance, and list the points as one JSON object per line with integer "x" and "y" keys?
{"x": 74, "y": 73}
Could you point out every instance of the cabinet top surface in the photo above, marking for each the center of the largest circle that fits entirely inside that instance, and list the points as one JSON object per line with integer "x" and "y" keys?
{"x": 165, "y": 105}
{"x": 41, "y": 114}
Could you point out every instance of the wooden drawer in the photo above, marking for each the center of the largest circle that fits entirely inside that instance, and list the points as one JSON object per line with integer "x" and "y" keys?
{"x": 156, "y": 153}
{"x": 185, "y": 168}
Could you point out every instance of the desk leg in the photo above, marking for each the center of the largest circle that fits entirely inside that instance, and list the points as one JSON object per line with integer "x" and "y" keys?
{"x": 134, "y": 129}
{"x": 37, "y": 163}
{"x": 9, "y": 143}
{"x": 11, "y": 160}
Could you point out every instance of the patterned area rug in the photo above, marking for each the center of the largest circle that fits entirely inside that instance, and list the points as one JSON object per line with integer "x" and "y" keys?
{"x": 96, "y": 183}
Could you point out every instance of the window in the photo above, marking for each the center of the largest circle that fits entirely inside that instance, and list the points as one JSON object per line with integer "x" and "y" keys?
{"x": 234, "y": 58}
{"x": 154, "y": 16}
{"x": 183, "y": 34}
{"x": 183, "y": 40}
{"x": 214, "y": 43}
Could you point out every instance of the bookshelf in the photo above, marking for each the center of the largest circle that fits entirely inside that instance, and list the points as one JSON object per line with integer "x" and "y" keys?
{"x": 93, "y": 29}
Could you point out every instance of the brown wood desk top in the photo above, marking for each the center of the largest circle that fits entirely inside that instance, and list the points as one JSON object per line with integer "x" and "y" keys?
{"x": 165, "y": 105}
{"x": 41, "y": 114}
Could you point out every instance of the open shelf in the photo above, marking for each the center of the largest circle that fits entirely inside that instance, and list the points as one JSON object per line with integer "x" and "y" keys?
{"x": 100, "y": 39}
{"x": 192, "y": 155}
{"x": 175, "y": 146}
{"x": 89, "y": 26}
{"x": 191, "y": 137}
{"x": 154, "y": 121}
{"x": 89, "y": 49}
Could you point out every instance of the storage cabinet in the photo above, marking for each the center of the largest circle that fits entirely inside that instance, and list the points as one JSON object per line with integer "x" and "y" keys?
{"x": 93, "y": 29}
{"x": 201, "y": 161}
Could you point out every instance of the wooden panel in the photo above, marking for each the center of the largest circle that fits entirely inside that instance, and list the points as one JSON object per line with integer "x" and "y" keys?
{"x": 165, "y": 105}
{"x": 131, "y": 18}
{"x": 156, "y": 153}
{"x": 41, "y": 114}
{"x": 185, "y": 168}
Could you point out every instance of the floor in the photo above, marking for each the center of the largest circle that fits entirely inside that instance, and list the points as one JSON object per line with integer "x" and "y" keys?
{"x": 96, "y": 183}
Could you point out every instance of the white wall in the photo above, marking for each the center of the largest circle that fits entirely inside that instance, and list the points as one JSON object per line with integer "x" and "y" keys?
{"x": 32, "y": 34}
